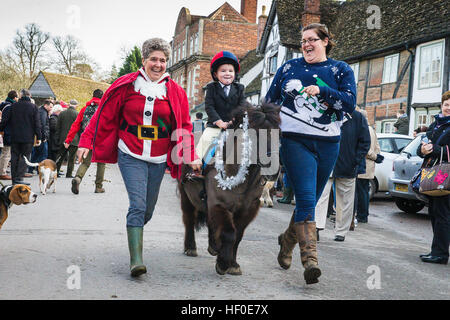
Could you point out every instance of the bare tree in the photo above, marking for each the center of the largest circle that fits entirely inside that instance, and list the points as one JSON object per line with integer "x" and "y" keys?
{"x": 28, "y": 45}
{"x": 69, "y": 52}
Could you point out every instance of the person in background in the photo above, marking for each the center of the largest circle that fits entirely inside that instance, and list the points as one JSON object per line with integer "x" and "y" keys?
{"x": 363, "y": 180}
{"x": 25, "y": 126}
{"x": 79, "y": 125}
{"x": 198, "y": 124}
{"x": 40, "y": 152}
{"x": 65, "y": 121}
{"x": 5, "y": 156}
{"x": 314, "y": 93}
{"x": 438, "y": 136}
{"x": 53, "y": 146}
{"x": 355, "y": 143}
{"x": 402, "y": 124}
{"x": 419, "y": 130}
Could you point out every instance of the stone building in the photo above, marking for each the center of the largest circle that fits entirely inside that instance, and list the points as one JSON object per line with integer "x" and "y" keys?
{"x": 399, "y": 51}
{"x": 198, "y": 38}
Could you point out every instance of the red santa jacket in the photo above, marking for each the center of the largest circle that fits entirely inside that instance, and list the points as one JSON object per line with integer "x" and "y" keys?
{"x": 102, "y": 133}
{"x": 76, "y": 125}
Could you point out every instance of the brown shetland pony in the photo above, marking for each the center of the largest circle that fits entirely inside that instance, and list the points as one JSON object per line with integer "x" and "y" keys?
{"x": 226, "y": 212}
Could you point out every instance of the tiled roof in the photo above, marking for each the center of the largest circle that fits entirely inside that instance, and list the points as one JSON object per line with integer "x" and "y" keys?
{"x": 401, "y": 21}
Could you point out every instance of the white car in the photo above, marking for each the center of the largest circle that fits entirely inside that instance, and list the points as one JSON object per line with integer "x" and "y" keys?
{"x": 391, "y": 145}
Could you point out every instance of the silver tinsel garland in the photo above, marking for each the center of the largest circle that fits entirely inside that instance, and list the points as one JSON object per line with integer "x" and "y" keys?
{"x": 223, "y": 181}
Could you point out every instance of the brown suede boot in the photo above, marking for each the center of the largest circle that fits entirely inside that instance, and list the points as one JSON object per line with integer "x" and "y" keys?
{"x": 287, "y": 242}
{"x": 307, "y": 240}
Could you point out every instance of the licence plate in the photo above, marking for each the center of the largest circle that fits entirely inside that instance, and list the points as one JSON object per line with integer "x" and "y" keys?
{"x": 401, "y": 187}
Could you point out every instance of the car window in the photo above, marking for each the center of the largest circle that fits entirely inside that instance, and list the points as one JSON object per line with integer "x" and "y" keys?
{"x": 411, "y": 148}
{"x": 386, "y": 145}
{"x": 401, "y": 143}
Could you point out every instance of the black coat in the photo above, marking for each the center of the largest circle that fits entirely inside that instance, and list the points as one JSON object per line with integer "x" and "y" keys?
{"x": 439, "y": 136}
{"x": 45, "y": 123}
{"x": 53, "y": 142}
{"x": 23, "y": 122}
{"x": 354, "y": 145}
{"x": 218, "y": 106}
{"x": 6, "y": 132}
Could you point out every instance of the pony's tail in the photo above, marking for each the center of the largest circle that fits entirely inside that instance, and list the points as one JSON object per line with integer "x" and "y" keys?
{"x": 201, "y": 221}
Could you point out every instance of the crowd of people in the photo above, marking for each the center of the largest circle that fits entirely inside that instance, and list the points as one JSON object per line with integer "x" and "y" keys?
{"x": 326, "y": 144}
{"x": 49, "y": 131}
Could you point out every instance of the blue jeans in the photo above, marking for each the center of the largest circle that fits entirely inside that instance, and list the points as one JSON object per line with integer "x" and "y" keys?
{"x": 308, "y": 163}
{"x": 142, "y": 180}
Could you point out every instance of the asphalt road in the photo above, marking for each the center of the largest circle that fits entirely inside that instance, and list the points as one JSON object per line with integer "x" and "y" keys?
{"x": 68, "y": 246}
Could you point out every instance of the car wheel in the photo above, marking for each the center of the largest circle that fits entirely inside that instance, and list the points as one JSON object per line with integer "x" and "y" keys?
{"x": 372, "y": 188}
{"x": 409, "y": 206}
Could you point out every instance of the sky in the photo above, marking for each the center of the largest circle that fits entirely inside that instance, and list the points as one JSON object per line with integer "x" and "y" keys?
{"x": 105, "y": 26}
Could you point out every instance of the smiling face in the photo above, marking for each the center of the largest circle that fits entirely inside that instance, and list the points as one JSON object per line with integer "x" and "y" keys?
{"x": 445, "y": 108}
{"x": 314, "y": 49}
{"x": 155, "y": 65}
{"x": 225, "y": 74}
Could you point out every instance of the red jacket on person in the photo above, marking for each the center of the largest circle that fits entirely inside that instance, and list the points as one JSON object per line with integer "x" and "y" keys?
{"x": 76, "y": 125}
{"x": 102, "y": 133}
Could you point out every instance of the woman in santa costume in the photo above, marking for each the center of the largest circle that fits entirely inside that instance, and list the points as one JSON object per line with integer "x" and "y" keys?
{"x": 143, "y": 123}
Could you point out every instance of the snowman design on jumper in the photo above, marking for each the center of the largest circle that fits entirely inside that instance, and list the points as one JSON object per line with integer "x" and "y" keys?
{"x": 311, "y": 110}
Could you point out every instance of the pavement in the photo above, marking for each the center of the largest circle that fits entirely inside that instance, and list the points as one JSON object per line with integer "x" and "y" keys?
{"x": 74, "y": 247}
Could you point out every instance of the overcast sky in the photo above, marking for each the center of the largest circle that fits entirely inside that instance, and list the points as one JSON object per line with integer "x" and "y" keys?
{"x": 104, "y": 26}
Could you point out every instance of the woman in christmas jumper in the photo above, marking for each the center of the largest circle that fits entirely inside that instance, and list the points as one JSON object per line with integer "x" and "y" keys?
{"x": 314, "y": 92}
{"x": 222, "y": 96}
{"x": 142, "y": 123}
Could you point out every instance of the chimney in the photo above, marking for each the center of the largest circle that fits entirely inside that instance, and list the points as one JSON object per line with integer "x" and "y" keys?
{"x": 262, "y": 19}
{"x": 311, "y": 12}
{"x": 248, "y": 9}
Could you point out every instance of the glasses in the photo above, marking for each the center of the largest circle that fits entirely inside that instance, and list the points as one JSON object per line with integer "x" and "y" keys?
{"x": 310, "y": 41}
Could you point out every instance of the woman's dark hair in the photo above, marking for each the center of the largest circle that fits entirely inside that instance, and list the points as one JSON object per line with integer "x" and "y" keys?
{"x": 12, "y": 94}
{"x": 322, "y": 32}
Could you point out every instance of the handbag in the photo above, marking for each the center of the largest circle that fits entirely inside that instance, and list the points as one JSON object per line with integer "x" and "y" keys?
{"x": 435, "y": 181}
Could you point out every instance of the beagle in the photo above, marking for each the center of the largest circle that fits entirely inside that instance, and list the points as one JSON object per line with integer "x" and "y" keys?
{"x": 47, "y": 174}
{"x": 16, "y": 194}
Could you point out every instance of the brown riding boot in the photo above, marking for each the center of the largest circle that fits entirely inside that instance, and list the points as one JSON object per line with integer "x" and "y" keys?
{"x": 307, "y": 240}
{"x": 287, "y": 242}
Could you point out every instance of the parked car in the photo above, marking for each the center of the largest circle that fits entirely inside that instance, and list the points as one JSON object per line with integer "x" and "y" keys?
{"x": 404, "y": 167}
{"x": 391, "y": 145}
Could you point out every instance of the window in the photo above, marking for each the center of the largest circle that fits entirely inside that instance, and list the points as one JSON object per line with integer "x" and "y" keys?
{"x": 273, "y": 64}
{"x": 386, "y": 145}
{"x": 401, "y": 143}
{"x": 430, "y": 65}
{"x": 355, "y": 68}
{"x": 388, "y": 127}
{"x": 189, "y": 84}
{"x": 191, "y": 46}
{"x": 390, "y": 68}
{"x": 422, "y": 120}
{"x": 196, "y": 43}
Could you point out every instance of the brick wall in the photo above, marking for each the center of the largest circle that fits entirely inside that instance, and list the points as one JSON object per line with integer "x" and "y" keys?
{"x": 248, "y": 9}
{"x": 380, "y": 102}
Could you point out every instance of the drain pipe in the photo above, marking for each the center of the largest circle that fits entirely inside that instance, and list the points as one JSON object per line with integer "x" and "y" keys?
{"x": 411, "y": 79}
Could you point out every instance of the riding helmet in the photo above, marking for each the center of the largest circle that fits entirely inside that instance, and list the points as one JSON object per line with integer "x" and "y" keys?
{"x": 224, "y": 57}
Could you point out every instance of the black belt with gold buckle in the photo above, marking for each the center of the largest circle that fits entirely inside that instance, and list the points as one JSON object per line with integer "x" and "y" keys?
{"x": 144, "y": 132}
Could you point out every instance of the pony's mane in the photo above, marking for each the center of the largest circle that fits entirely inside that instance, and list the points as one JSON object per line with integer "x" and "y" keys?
{"x": 264, "y": 116}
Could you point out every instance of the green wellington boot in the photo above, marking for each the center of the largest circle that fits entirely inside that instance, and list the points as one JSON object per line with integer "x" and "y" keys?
{"x": 135, "y": 240}
{"x": 288, "y": 194}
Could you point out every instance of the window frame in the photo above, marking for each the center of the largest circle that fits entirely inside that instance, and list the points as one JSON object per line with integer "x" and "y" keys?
{"x": 391, "y": 58}
{"x": 421, "y": 65}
